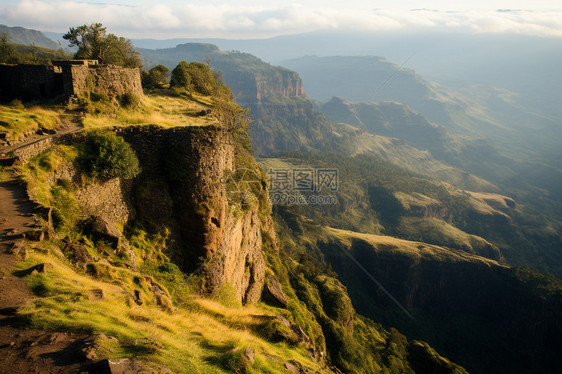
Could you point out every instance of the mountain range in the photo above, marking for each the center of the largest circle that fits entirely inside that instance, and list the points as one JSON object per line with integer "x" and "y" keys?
{"x": 447, "y": 192}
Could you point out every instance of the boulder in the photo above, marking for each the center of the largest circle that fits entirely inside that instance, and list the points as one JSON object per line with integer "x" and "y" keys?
{"x": 78, "y": 254}
{"x": 299, "y": 332}
{"x": 291, "y": 368}
{"x": 37, "y": 269}
{"x": 97, "y": 345}
{"x": 273, "y": 292}
{"x": 281, "y": 329}
{"x": 118, "y": 366}
{"x": 105, "y": 229}
{"x": 19, "y": 249}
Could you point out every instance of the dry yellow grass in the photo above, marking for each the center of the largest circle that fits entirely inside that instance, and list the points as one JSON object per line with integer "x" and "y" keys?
{"x": 493, "y": 199}
{"x": 411, "y": 248}
{"x": 186, "y": 340}
{"x": 415, "y": 199}
{"x": 160, "y": 109}
{"x": 17, "y": 122}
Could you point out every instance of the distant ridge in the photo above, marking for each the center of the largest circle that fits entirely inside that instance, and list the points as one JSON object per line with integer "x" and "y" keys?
{"x": 21, "y": 35}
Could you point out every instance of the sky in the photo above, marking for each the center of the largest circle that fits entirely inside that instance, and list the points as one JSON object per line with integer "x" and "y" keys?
{"x": 262, "y": 19}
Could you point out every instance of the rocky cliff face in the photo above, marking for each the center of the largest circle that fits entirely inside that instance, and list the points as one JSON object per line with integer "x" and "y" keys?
{"x": 488, "y": 301}
{"x": 182, "y": 186}
{"x": 183, "y": 183}
{"x": 250, "y": 87}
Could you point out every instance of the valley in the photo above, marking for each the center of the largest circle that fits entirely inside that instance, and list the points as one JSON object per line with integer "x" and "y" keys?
{"x": 440, "y": 249}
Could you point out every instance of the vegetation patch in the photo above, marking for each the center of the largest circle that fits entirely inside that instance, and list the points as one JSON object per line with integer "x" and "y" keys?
{"x": 104, "y": 155}
{"x": 16, "y": 121}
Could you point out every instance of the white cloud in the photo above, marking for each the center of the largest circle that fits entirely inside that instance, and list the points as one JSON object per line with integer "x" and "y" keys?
{"x": 179, "y": 19}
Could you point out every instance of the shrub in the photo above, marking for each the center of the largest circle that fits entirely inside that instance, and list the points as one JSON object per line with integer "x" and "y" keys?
{"x": 130, "y": 100}
{"x": 158, "y": 76}
{"x": 194, "y": 76}
{"x": 17, "y": 104}
{"x": 180, "y": 76}
{"x": 99, "y": 96}
{"x": 66, "y": 211}
{"x": 106, "y": 156}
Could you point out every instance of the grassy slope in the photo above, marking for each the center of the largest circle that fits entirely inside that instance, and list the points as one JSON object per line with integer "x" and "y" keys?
{"x": 183, "y": 330}
{"x": 163, "y": 107}
{"x": 195, "y": 334}
{"x": 411, "y": 248}
{"x": 198, "y": 336}
{"x": 17, "y": 121}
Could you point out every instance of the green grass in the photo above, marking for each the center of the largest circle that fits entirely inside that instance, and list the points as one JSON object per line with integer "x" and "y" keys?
{"x": 37, "y": 171}
{"x": 16, "y": 122}
{"x": 162, "y": 107}
{"x": 204, "y": 336}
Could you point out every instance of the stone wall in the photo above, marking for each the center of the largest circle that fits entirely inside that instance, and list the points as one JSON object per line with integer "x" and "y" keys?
{"x": 112, "y": 199}
{"x": 27, "y": 82}
{"x": 33, "y": 149}
{"x": 111, "y": 80}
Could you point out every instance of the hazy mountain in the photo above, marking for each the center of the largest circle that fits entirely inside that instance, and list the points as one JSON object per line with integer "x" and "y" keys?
{"x": 20, "y": 35}
{"x": 395, "y": 120}
{"x": 521, "y": 63}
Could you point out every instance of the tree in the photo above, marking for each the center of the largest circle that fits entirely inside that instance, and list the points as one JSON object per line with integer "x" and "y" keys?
{"x": 7, "y": 50}
{"x": 202, "y": 78}
{"x": 181, "y": 77}
{"x": 231, "y": 116}
{"x": 158, "y": 76}
{"x": 94, "y": 43}
{"x": 234, "y": 119}
{"x": 194, "y": 76}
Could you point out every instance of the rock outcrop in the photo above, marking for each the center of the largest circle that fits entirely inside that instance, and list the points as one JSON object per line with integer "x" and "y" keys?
{"x": 273, "y": 292}
{"x": 105, "y": 229}
{"x": 183, "y": 184}
{"x": 251, "y": 86}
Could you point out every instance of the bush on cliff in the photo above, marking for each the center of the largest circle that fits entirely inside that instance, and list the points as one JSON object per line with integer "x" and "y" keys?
{"x": 157, "y": 77}
{"x": 104, "y": 155}
{"x": 195, "y": 77}
{"x": 130, "y": 100}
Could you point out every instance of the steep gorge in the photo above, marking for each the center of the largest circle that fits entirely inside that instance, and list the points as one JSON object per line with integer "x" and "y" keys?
{"x": 481, "y": 304}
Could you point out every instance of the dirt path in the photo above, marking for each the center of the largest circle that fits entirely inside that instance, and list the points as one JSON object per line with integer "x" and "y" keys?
{"x": 15, "y": 209}
{"x": 22, "y": 349}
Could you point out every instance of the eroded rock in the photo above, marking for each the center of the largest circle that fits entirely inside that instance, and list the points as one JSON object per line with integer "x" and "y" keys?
{"x": 39, "y": 269}
{"x": 273, "y": 292}
{"x": 105, "y": 229}
{"x": 19, "y": 249}
{"x": 78, "y": 254}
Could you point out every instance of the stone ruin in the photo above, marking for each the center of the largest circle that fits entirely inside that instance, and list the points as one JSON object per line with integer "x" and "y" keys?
{"x": 66, "y": 79}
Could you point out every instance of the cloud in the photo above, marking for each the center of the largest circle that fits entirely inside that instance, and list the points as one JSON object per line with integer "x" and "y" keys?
{"x": 181, "y": 19}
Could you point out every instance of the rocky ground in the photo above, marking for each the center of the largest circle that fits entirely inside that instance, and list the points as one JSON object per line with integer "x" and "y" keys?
{"x": 27, "y": 350}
